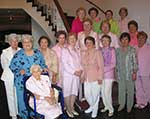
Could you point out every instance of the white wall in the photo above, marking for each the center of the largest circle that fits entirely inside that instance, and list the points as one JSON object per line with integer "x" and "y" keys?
{"x": 70, "y": 6}
{"x": 37, "y": 32}
{"x": 139, "y": 10}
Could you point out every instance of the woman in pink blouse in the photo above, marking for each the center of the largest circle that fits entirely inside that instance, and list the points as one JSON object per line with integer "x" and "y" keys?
{"x": 71, "y": 71}
{"x": 61, "y": 37}
{"x": 77, "y": 24}
{"x": 123, "y": 20}
{"x": 93, "y": 68}
{"x": 143, "y": 74}
{"x": 133, "y": 31}
{"x": 109, "y": 69}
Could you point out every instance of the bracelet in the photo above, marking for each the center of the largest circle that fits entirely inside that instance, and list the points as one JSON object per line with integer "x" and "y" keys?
{"x": 41, "y": 97}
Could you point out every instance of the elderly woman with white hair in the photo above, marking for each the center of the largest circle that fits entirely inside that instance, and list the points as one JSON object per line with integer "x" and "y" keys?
{"x": 7, "y": 75}
{"x": 20, "y": 65}
{"x": 46, "y": 96}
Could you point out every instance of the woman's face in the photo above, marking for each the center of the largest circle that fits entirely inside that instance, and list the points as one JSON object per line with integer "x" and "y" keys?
{"x": 72, "y": 40}
{"x": 108, "y": 15}
{"x": 105, "y": 28}
{"x": 124, "y": 42}
{"x": 123, "y": 13}
{"x": 43, "y": 43}
{"x": 36, "y": 73}
{"x": 89, "y": 44}
{"x": 132, "y": 28}
{"x": 105, "y": 42}
{"x": 93, "y": 14}
{"x": 87, "y": 26}
{"x": 141, "y": 41}
{"x": 61, "y": 39}
{"x": 14, "y": 43}
{"x": 27, "y": 44}
{"x": 81, "y": 14}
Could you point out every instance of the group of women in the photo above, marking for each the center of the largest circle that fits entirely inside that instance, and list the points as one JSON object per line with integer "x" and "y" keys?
{"x": 95, "y": 53}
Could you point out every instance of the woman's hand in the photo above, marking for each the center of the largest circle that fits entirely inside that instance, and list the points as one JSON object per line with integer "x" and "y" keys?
{"x": 78, "y": 73}
{"x": 22, "y": 71}
{"x": 100, "y": 82}
{"x": 134, "y": 76}
{"x": 54, "y": 78}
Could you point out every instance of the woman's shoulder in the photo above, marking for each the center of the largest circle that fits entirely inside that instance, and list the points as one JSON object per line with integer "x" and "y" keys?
{"x": 37, "y": 52}
{"x": 45, "y": 78}
{"x": 19, "y": 53}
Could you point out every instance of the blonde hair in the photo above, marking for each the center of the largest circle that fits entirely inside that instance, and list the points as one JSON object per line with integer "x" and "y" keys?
{"x": 80, "y": 9}
{"x": 88, "y": 20}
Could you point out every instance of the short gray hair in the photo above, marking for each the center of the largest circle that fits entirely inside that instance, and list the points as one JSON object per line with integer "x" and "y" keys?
{"x": 27, "y": 36}
{"x": 12, "y": 36}
{"x": 34, "y": 66}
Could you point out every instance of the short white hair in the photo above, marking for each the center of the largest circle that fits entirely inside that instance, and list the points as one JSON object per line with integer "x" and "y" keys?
{"x": 12, "y": 36}
{"x": 27, "y": 36}
{"x": 35, "y": 66}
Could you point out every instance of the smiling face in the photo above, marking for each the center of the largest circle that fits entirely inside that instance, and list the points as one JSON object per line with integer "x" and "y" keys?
{"x": 132, "y": 28}
{"x": 89, "y": 44}
{"x": 105, "y": 42}
{"x": 27, "y": 44}
{"x": 141, "y": 41}
{"x": 108, "y": 15}
{"x": 61, "y": 39}
{"x": 123, "y": 13}
{"x": 93, "y": 14}
{"x": 43, "y": 43}
{"x": 14, "y": 43}
{"x": 36, "y": 72}
{"x": 124, "y": 42}
{"x": 72, "y": 40}
{"x": 81, "y": 14}
{"x": 87, "y": 26}
{"x": 105, "y": 28}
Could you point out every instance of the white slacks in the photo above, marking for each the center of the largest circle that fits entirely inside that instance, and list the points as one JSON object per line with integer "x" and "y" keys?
{"x": 107, "y": 94}
{"x": 92, "y": 91}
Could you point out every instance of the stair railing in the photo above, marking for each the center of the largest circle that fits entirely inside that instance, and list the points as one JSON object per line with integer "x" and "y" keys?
{"x": 53, "y": 12}
{"x": 95, "y": 6}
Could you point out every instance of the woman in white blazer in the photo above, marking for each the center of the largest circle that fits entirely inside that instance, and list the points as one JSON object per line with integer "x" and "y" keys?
{"x": 7, "y": 75}
{"x": 71, "y": 71}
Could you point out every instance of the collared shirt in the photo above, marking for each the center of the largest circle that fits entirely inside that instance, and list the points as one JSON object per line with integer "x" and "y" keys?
{"x": 134, "y": 40}
{"x": 114, "y": 27}
{"x": 96, "y": 25}
{"x": 93, "y": 66}
{"x": 123, "y": 24}
{"x": 77, "y": 26}
{"x": 81, "y": 37}
{"x": 109, "y": 62}
{"x": 114, "y": 40}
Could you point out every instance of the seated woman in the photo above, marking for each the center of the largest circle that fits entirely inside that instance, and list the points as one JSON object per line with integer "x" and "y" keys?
{"x": 40, "y": 86}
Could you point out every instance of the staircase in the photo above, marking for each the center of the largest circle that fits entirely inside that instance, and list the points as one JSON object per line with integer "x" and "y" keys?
{"x": 44, "y": 12}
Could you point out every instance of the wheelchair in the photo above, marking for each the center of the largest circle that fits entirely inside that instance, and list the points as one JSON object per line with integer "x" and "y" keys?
{"x": 32, "y": 112}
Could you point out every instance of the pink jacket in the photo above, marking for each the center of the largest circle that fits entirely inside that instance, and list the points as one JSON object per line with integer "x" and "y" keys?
{"x": 77, "y": 26}
{"x": 93, "y": 67}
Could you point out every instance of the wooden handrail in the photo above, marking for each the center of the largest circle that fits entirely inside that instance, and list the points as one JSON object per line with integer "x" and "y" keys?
{"x": 62, "y": 15}
{"x": 96, "y": 6}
